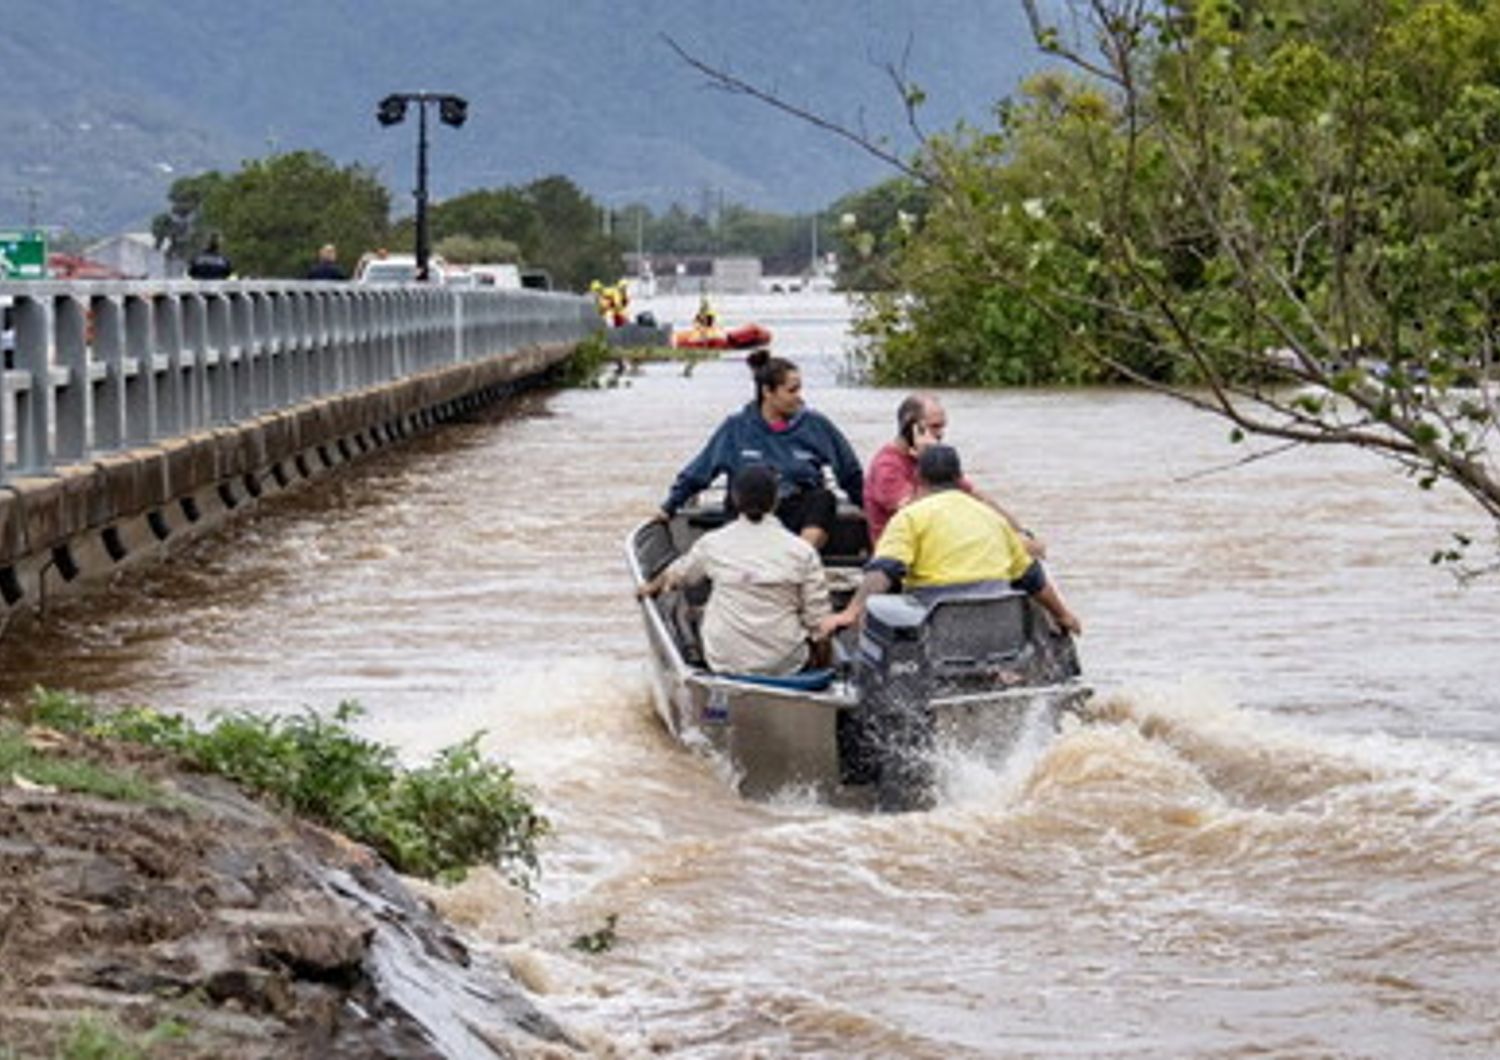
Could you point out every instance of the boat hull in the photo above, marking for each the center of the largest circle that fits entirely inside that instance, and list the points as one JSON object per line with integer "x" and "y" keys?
{"x": 745, "y": 337}
{"x": 783, "y": 741}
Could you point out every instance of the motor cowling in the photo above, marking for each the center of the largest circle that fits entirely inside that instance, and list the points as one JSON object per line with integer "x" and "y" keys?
{"x": 890, "y": 735}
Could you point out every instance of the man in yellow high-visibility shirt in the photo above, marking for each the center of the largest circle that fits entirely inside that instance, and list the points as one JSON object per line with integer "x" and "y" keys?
{"x": 948, "y": 539}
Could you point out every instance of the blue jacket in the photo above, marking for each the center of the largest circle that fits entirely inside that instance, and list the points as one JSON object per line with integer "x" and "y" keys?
{"x": 799, "y": 453}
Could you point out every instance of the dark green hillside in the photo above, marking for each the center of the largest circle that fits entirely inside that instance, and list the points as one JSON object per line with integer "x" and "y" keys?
{"x": 106, "y": 103}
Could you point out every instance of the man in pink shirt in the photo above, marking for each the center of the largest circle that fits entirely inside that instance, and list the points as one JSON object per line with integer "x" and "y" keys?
{"x": 891, "y": 479}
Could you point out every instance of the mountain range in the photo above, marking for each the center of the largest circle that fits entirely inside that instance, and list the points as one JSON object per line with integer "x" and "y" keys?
{"x": 109, "y": 101}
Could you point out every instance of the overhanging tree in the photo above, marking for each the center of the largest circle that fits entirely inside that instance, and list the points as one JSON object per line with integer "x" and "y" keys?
{"x": 1303, "y": 211}
{"x": 1284, "y": 212}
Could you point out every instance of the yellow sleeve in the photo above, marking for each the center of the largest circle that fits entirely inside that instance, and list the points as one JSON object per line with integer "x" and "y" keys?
{"x": 1020, "y": 559}
{"x": 899, "y": 540}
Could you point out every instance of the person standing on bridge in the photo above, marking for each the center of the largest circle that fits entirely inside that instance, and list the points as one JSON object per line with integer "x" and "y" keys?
{"x": 327, "y": 265}
{"x": 776, "y": 428}
{"x": 210, "y": 263}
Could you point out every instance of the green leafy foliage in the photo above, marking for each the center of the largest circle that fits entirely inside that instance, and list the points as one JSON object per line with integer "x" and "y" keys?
{"x": 586, "y": 362}
{"x": 550, "y": 223}
{"x": 439, "y": 815}
{"x": 466, "y": 249}
{"x": 872, "y": 228}
{"x": 991, "y": 281}
{"x": 93, "y": 1038}
{"x": 434, "y": 821}
{"x": 20, "y": 762}
{"x": 1293, "y": 207}
{"x": 275, "y": 212}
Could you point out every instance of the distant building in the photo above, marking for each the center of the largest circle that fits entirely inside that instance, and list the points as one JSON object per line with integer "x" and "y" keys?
{"x": 134, "y": 255}
{"x": 736, "y": 275}
{"x": 695, "y": 273}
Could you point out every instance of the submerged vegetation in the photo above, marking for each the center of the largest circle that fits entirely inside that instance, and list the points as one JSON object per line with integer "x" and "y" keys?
{"x": 586, "y": 363}
{"x": 596, "y": 363}
{"x": 433, "y": 821}
{"x": 600, "y": 940}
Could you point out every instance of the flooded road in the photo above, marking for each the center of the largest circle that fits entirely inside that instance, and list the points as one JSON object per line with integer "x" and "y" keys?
{"x": 1283, "y": 839}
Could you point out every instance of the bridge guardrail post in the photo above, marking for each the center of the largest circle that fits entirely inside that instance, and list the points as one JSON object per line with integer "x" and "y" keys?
{"x": 73, "y": 394}
{"x": 196, "y": 359}
{"x": 166, "y": 366}
{"x": 220, "y": 383}
{"x": 109, "y": 352}
{"x": 32, "y": 404}
{"x": 140, "y": 387}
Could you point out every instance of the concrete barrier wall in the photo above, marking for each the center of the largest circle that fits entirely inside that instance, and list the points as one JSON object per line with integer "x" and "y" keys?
{"x": 290, "y": 383}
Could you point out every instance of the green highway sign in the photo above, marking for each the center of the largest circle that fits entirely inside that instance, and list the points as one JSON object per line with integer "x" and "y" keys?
{"x": 23, "y": 254}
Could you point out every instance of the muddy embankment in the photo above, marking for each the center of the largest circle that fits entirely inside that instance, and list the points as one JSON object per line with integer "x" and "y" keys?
{"x": 247, "y": 933}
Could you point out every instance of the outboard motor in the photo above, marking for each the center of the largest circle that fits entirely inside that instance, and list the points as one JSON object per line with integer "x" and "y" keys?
{"x": 888, "y": 740}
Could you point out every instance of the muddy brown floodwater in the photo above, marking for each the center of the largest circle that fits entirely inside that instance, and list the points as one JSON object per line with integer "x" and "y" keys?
{"x": 1283, "y": 839}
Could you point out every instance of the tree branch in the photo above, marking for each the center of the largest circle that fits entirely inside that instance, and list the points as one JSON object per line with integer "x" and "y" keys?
{"x": 728, "y": 82}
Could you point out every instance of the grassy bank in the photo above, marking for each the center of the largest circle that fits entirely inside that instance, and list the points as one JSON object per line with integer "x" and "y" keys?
{"x": 433, "y": 821}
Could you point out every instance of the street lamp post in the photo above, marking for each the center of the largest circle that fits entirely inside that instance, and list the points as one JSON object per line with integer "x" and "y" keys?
{"x": 452, "y": 110}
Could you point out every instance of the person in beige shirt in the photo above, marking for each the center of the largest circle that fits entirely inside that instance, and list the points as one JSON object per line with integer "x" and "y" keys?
{"x": 769, "y": 594}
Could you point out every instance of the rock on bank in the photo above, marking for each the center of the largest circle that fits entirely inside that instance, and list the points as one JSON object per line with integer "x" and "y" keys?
{"x": 262, "y": 936}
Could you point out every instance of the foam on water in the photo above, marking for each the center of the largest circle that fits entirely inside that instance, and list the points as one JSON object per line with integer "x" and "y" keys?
{"x": 1181, "y": 766}
{"x": 1300, "y": 859}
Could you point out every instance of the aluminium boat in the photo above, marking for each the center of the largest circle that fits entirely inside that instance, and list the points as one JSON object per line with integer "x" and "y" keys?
{"x": 973, "y": 672}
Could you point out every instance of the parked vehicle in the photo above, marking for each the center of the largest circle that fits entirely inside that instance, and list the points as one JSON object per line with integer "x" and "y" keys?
{"x": 505, "y": 276}
{"x": 383, "y": 267}
{"x": 536, "y": 279}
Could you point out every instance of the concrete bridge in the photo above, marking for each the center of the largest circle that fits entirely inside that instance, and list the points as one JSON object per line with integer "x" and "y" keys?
{"x": 134, "y": 416}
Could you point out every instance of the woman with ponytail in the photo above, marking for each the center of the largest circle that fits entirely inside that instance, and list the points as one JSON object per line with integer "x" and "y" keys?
{"x": 779, "y": 430}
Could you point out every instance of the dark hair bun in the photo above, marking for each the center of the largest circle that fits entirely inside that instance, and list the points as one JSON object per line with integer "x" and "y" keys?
{"x": 758, "y": 359}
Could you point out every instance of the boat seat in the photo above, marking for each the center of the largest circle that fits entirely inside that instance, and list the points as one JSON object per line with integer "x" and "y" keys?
{"x": 977, "y": 631}
{"x": 849, "y": 545}
{"x": 802, "y": 681}
{"x": 707, "y": 518}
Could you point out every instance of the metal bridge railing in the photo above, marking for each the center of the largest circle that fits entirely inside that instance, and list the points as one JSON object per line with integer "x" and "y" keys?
{"x": 92, "y": 368}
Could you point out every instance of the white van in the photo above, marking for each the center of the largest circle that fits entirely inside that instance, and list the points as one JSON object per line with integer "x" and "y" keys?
{"x": 396, "y": 268}
{"x": 504, "y": 276}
